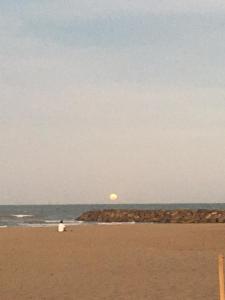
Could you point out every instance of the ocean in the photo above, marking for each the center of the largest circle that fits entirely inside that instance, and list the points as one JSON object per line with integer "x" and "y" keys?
{"x": 50, "y": 215}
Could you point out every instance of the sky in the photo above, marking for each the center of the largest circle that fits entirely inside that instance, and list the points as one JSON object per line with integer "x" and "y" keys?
{"x": 112, "y": 96}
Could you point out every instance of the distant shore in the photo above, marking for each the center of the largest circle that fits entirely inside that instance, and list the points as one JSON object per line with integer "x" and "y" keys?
{"x": 154, "y": 216}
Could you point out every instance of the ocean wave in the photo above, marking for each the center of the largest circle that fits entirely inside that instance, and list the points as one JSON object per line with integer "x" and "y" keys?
{"x": 22, "y": 216}
{"x": 66, "y": 222}
{"x": 52, "y": 221}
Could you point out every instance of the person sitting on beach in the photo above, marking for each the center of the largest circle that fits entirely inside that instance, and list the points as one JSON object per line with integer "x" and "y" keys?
{"x": 61, "y": 226}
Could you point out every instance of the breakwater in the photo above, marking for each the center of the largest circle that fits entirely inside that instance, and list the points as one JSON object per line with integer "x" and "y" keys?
{"x": 154, "y": 216}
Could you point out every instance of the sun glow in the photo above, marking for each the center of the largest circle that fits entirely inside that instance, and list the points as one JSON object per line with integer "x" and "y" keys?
{"x": 113, "y": 197}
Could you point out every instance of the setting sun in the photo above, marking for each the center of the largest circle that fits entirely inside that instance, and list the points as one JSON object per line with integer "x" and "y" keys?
{"x": 113, "y": 197}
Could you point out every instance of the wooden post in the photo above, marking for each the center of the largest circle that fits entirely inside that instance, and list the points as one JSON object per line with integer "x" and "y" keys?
{"x": 221, "y": 276}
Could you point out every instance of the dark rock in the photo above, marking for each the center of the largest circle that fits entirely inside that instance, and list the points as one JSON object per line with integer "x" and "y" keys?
{"x": 155, "y": 216}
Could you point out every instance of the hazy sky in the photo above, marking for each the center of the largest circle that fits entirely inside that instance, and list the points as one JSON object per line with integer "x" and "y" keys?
{"x": 101, "y": 96}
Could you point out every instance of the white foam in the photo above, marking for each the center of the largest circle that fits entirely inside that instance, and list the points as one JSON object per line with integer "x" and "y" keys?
{"x": 52, "y": 221}
{"x": 66, "y": 222}
{"x": 22, "y": 216}
{"x": 72, "y": 221}
{"x": 3, "y": 226}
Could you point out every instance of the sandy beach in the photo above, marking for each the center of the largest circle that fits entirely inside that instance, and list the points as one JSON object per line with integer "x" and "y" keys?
{"x": 88, "y": 262}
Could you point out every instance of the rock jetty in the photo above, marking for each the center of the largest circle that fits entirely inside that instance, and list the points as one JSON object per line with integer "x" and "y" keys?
{"x": 154, "y": 216}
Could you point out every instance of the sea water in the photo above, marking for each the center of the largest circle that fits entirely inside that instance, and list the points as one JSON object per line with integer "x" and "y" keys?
{"x": 50, "y": 215}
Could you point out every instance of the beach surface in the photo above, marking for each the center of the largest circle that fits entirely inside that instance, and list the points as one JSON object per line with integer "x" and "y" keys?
{"x": 88, "y": 262}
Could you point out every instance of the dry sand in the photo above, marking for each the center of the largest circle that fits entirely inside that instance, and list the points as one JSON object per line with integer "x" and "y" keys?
{"x": 141, "y": 261}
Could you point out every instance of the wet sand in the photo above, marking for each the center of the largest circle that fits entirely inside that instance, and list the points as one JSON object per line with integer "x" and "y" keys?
{"x": 141, "y": 261}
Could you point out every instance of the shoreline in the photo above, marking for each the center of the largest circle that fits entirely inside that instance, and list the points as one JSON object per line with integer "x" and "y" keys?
{"x": 83, "y": 223}
{"x": 101, "y": 224}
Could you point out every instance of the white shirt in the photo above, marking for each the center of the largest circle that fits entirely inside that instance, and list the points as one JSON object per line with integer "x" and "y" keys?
{"x": 61, "y": 227}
